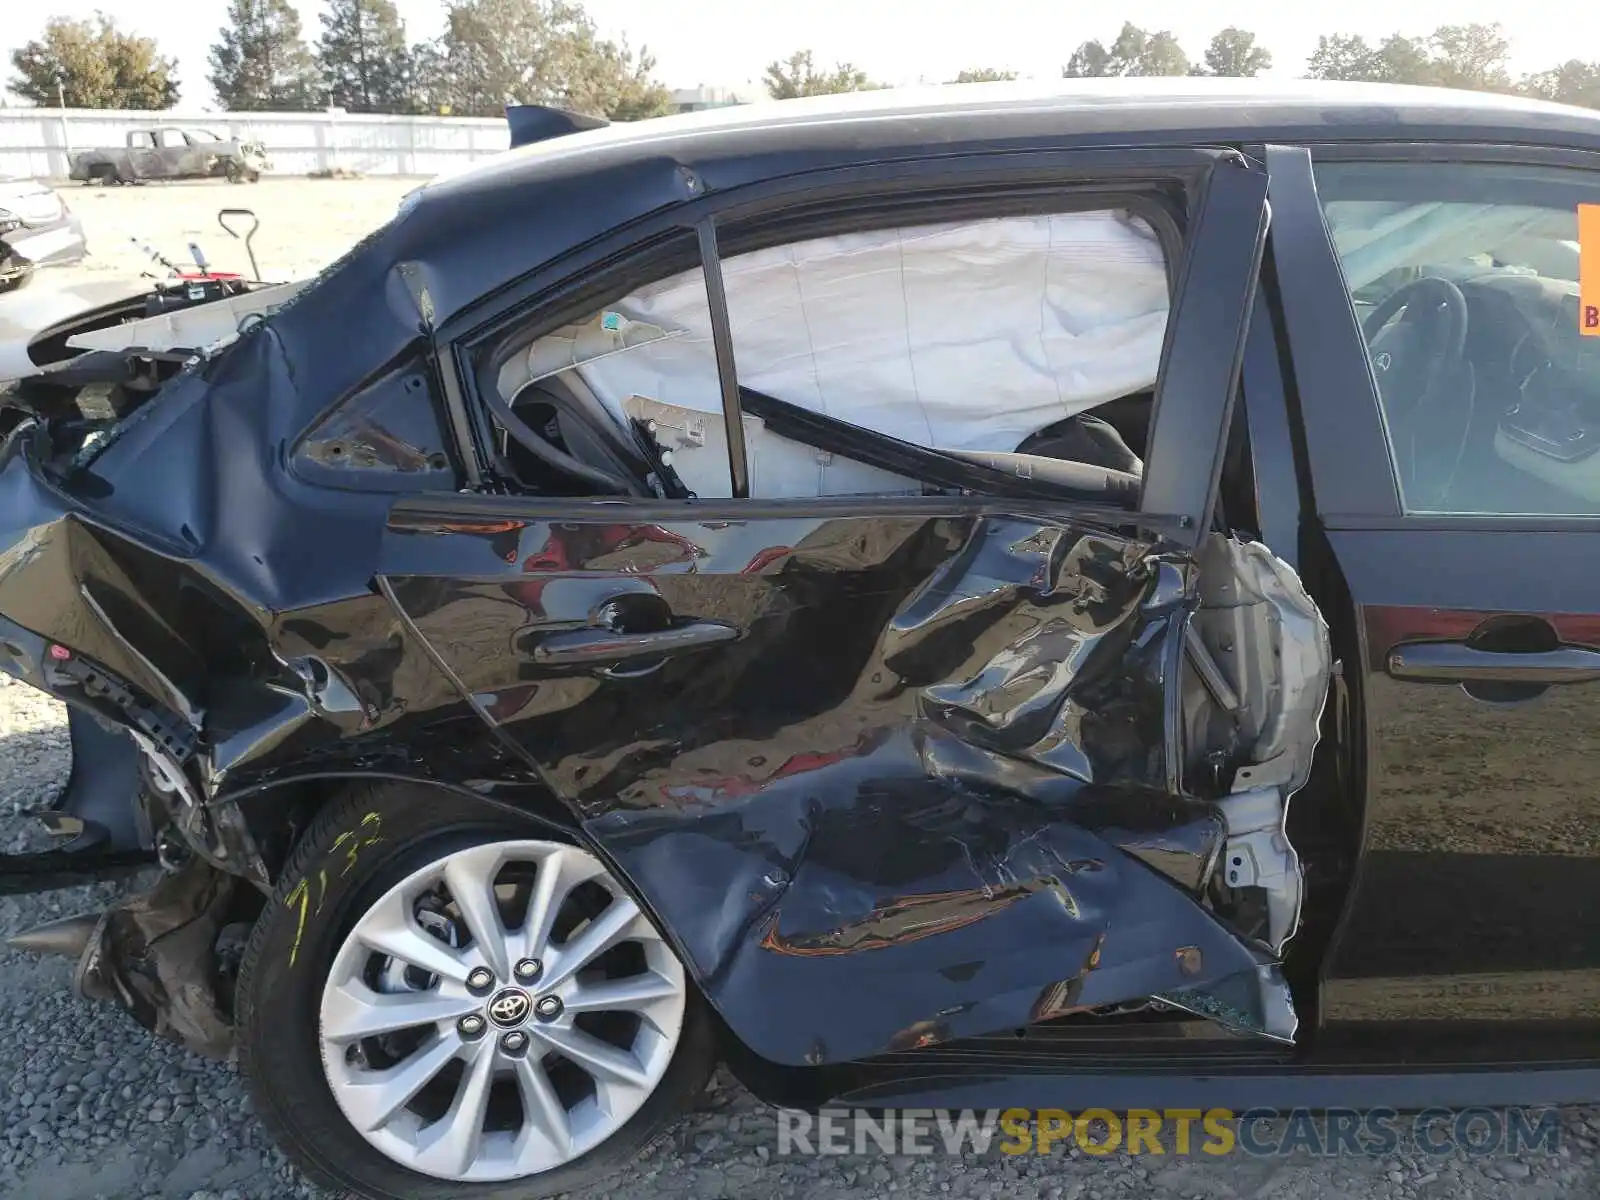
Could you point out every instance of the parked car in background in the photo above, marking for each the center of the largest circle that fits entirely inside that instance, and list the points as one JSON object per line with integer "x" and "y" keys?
{"x": 37, "y": 229}
{"x": 936, "y": 599}
{"x": 169, "y": 152}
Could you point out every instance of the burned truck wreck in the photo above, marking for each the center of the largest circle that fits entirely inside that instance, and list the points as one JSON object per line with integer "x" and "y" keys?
{"x": 546, "y": 732}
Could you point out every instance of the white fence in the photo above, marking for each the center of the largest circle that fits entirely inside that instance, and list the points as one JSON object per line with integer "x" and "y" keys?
{"x": 39, "y": 141}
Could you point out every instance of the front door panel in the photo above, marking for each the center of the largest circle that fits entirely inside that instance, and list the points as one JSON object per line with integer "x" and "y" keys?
{"x": 147, "y": 163}
{"x": 1478, "y": 900}
{"x": 1471, "y": 630}
{"x": 920, "y": 759}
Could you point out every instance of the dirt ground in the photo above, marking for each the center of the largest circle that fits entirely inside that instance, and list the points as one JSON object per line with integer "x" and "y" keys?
{"x": 305, "y": 223}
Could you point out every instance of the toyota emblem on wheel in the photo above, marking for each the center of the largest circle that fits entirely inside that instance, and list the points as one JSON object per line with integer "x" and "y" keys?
{"x": 510, "y": 1007}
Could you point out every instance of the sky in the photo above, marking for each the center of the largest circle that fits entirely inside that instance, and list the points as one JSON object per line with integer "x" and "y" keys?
{"x": 726, "y": 43}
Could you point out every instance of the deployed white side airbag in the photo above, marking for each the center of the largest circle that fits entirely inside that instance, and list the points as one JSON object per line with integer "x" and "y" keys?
{"x": 965, "y": 336}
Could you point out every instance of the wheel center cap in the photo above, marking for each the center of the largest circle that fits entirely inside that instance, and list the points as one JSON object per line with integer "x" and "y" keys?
{"x": 510, "y": 1007}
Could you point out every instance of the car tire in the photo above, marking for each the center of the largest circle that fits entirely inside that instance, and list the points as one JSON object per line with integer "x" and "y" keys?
{"x": 13, "y": 274}
{"x": 372, "y": 868}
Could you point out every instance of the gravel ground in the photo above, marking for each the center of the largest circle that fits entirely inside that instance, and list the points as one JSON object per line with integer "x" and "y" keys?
{"x": 94, "y": 1107}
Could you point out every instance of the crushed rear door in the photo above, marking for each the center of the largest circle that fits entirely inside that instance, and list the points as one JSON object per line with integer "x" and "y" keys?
{"x": 891, "y": 771}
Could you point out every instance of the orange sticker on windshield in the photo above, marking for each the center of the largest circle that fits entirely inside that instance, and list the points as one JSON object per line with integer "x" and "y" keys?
{"x": 1589, "y": 270}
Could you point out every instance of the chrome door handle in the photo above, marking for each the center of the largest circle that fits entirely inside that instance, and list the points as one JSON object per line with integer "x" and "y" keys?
{"x": 1457, "y": 662}
{"x": 604, "y": 647}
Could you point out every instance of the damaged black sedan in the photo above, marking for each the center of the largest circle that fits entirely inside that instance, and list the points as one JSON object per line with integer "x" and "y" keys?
{"x": 944, "y": 599}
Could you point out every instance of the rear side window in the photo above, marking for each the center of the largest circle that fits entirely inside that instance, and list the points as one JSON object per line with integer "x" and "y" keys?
{"x": 388, "y": 435}
{"x": 984, "y": 338}
{"x": 1465, "y": 281}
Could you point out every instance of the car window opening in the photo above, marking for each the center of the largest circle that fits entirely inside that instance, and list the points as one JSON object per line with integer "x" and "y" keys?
{"x": 1465, "y": 281}
{"x": 1012, "y": 345}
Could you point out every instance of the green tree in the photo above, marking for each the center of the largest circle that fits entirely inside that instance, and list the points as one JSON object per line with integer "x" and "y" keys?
{"x": 1161, "y": 55}
{"x": 1135, "y": 52}
{"x": 1341, "y": 56}
{"x": 489, "y": 55}
{"x": 609, "y": 79}
{"x": 1397, "y": 59}
{"x": 797, "y": 75}
{"x": 96, "y": 65}
{"x": 261, "y": 63}
{"x": 1091, "y": 60}
{"x": 1233, "y": 52}
{"x": 1462, "y": 56}
{"x": 362, "y": 57}
{"x": 1573, "y": 82}
{"x": 499, "y": 52}
{"x": 430, "y": 87}
{"x": 1402, "y": 59}
{"x": 984, "y": 75}
{"x": 1471, "y": 56}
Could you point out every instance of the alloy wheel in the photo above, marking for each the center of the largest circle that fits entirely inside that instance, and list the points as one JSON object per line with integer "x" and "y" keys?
{"x": 499, "y": 1012}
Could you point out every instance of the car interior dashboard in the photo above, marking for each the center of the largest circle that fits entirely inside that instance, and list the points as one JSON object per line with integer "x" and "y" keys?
{"x": 1510, "y": 421}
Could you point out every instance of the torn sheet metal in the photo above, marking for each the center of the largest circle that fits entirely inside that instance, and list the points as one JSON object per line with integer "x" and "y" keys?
{"x": 1071, "y": 643}
{"x": 1262, "y": 652}
{"x": 1179, "y": 837}
{"x": 154, "y": 954}
{"x": 930, "y": 913}
{"x": 969, "y": 812}
{"x": 203, "y": 327}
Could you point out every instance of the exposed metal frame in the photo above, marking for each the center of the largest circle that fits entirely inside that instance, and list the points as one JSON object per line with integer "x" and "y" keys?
{"x": 455, "y": 406}
{"x": 727, "y": 371}
{"x": 1273, "y": 454}
{"x": 1203, "y": 358}
{"x": 1351, "y": 469}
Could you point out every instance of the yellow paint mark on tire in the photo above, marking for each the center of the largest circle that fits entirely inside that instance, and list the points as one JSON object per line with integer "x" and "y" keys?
{"x": 297, "y": 893}
{"x": 352, "y": 842}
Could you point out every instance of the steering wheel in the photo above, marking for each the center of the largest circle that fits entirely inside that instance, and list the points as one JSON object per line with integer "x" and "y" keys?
{"x": 1417, "y": 341}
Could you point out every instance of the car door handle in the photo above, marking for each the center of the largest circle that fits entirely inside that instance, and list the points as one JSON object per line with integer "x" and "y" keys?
{"x": 1457, "y": 662}
{"x": 606, "y": 647}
